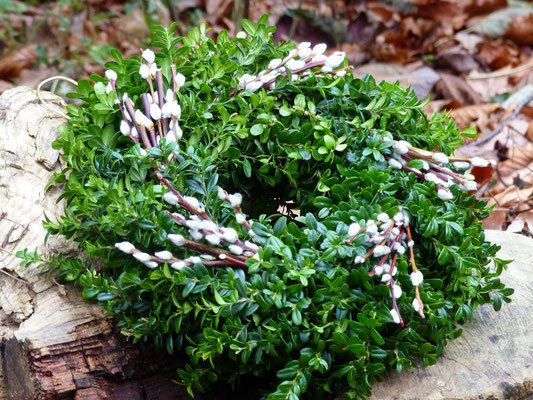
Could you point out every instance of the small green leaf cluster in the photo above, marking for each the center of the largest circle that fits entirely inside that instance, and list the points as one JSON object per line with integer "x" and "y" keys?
{"x": 302, "y": 315}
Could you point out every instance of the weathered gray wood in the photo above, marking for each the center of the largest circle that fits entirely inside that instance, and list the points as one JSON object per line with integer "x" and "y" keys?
{"x": 493, "y": 358}
{"x": 53, "y": 343}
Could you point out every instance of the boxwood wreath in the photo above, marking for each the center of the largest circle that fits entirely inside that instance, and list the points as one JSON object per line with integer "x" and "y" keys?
{"x": 280, "y": 218}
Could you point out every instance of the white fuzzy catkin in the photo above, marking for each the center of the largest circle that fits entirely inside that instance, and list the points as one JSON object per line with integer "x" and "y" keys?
{"x": 397, "y": 291}
{"x": 416, "y": 278}
{"x": 111, "y": 75}
{"x": 395, "y": 316}
{"x": 440, "y": 158}
{"x": 416, "y": 304}
{"x": 148, "y": 55}
{"x": 178, "y": 265}
{"x": 164, "y": 255}
{"x": 234, "y": 200}
{"x": 479, "y": 162}
{"x": 170, "y": 198}
{"x": 444, "y": 194}
{"x": 235, "y": 249}
{"x": 125, "y": 247}
{"x": 142, "y": 257}
{"x": 213, "y": 239}
{"x": 178, "y": 240}
{"x": 354, "y": 229}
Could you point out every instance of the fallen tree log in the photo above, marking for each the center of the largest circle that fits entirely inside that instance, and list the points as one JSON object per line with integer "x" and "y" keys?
{"x": 54, "y": 344}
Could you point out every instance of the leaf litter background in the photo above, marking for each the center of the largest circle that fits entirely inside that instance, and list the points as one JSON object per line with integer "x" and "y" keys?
{"x": 473, "y": 57}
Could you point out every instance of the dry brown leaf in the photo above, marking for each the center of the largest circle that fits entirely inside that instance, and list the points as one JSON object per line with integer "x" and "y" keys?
{"x": 517, "y": 226}
{"x": 458, "y": 59}
{"x": 453, "y": 87}
{"x": 519, "y": 157}
{"x": 490, "y": 87}
{"x": 529, "y": 133}
{"x": 495, "y": 54}
{"x": 478, "y": 114}
{"x": 477, "y": 7}
{"x": 12, "y": 65}
{"x": 510, "y": 197}
{"x": 497, "y": 218}
{"x": 520, "y": 30}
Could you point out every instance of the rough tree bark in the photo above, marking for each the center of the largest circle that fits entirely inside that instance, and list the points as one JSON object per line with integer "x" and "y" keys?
{"x": 55, "y": 345}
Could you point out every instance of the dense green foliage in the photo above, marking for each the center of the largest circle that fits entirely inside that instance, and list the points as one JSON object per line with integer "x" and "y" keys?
{"x": 301, "y": 314}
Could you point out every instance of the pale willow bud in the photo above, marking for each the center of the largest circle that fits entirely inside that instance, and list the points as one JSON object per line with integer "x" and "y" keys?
{"x": 142, "y": 257}
{"x": 151, "y": 264}
{"x": 222, "y": 194}
{"x": 320, "y": 48}
{"x": 235, "y": 249}
{"x": 319, "y": 58}
{"x": 479, "y": 162}
{"x": 295, "y": 64}
{"x": 111, "y": 75}
{"x": 358, "y": 260}
{"x": 372, "y": 229}
{"x": 164, "y": 255}
{"x": 213, "y": 239}
{"x": 354, "y": 229}
{"x": 397, "y": 291}
{"x": 229, "y": 235}
{"x": 169, "y": 96}
{"x": 178, "y": 132}
{"x": 386, "y": 278}
{"x": 251, "y": 246}
{"x": 461, "y": 165}
{"x": 326, "y": 69}
{"x": 444, "y": 194}
{"x": 254, "y": 85}
{"x": 335, "y": 59}
{"x": 234, "y": 200}
{"x": 292, "y": 53}
{"x": 125, "y": 247}
{"x": 148, "y": 55}
{"x": 378, "y": 270}
{"x": 222, "y": 256}
{"x": 304, "y": 53}
{"x": 383, "y": 217}
{"x": 195, "y": 259}
{"x": 416, "y": 304}
{"x": 304, "y": 45}
{"x": 196, "y": 235}
{"x": 275, "y": 63}
{"x": 240, "y": 218}
{"x": 469, "y": 185}
{"x": 153, "y": 69}
{"x": 171, "y": 137}
{"x": 416, "y": 278}
{"x": 155, "y": 112}
{"x": 400, "y": 147}
{"x": 440, "y": 158}
{"x": 193, "y": 201}
{"x": 178, "y": 240}
{"x": 144, "y": 71}
{"x": 341, "y": 73}
{"x": 178, "y": 265}
{"x": 395, "y": 316}
{"x": 394, "y": 164}
{"x": 170, "y": 198}
{"x": 180, "y": 80}
{"x": 108, "y": 88}
{"x": 124, "y": 128}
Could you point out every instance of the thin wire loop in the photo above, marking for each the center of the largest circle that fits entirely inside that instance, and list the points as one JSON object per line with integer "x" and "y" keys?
{"x": 44, "y": 103}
